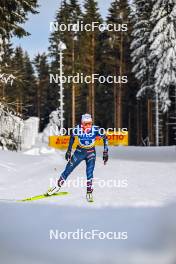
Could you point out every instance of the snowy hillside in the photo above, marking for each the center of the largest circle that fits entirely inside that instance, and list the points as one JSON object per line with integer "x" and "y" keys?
{"x": 141, "y": 203}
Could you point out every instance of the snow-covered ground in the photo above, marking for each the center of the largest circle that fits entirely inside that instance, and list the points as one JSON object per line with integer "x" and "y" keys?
{"x": 134, "y": 193}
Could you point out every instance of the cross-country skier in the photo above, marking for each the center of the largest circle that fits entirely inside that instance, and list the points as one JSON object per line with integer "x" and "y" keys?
{"x": 87, "y": 133}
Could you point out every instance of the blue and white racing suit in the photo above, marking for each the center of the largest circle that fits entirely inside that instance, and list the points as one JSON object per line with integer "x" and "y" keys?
{"x": 84, "y": 151}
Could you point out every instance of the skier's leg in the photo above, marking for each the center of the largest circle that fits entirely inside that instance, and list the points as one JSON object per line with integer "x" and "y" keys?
{"x": 76, "y": 158}
{"x": 90, "y": 165}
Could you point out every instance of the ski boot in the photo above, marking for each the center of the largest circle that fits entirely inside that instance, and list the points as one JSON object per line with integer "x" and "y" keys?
{"x": 56, "y": 188}
{"x": 89, "y": 197}
{"x": 53, "y": 190}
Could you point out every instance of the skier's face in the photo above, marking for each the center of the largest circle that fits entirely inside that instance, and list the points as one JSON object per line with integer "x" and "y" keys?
{"x": 86, "y": 126}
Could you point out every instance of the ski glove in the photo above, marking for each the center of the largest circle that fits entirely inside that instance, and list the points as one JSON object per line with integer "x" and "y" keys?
{"x": 105, "y": 156}
{"x": 68, "y": 155}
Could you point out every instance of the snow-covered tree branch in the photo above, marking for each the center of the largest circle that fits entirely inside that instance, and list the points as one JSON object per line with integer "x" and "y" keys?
{"x": 11, "y": 125}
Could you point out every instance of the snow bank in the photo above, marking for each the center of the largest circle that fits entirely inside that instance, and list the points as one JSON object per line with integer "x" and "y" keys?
{"x": 38, "y": 151}
{"x": 30, "y": 132}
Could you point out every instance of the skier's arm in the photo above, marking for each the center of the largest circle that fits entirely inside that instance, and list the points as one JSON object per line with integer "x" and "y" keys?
{"x": 68, "y": 153}
{"x": 105, "y": 139}
{"x": 105, "y": 142}
{"x": 105, "y": 152}
{"x": 72, "y": 139}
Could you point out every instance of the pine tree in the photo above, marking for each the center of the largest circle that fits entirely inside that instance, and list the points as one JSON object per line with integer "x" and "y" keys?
{"x": 14, "y": 13}
{"x": 62, "y": 17}
{"x": 76, "y": 16}
{"x": 15, "y": 93}
{"x": 30, "y": 88}
{"x": 104, "y": 91}
{"x": 5, "y": 66}
{"x": 162, "y": 56}
{"x": 140, "y": 45}
{"x": 6, "y": 53}
{"x": 153, "y": 57}
{"x": 69, "y": 13}
{"x": 142, "y": 67}
{"x": 163, "y": 49}
{"x": 43, "y": 106}
{"x": 117, "y": 57}
{"x": 90, "y": 51}
{"x": 23, "y": 91}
